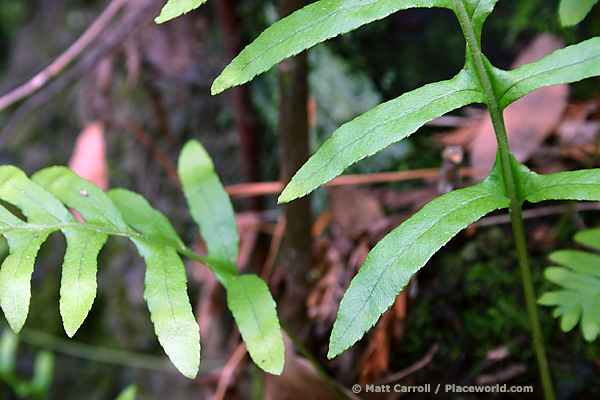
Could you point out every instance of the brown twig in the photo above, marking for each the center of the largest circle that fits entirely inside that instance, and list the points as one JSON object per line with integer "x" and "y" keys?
{"x": 163, "y": 159}
{"x": 228, "y": 370}
{"x": 91, "y": 58}
{"x": 538, "y": 213}
{"x": 264, "y": 188}
{"x": 411, "y": 369}
{"x": 65, "y": 58}
{"x": 273, "y": 248}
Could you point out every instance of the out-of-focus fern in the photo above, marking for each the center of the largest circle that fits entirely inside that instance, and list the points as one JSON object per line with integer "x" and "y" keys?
{"x": 44, "y": 199}
{"x": 43, "y": 369}
{"x": 579, "y": 277}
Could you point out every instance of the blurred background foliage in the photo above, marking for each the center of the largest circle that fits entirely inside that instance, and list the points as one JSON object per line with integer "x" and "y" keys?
{"x": 156, "y": 81}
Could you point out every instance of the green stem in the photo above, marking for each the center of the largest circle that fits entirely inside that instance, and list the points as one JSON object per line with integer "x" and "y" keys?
{"x": 103, "y": 354}
{"x": 516, "y": 215}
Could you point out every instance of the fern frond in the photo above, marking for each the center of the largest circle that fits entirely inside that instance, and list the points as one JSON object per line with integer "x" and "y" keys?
{"x": 579, "y": 276}
{"x": 44, "y": 199}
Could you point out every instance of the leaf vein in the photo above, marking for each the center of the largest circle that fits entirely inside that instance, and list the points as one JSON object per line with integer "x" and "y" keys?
{"x": 166, "y": 276}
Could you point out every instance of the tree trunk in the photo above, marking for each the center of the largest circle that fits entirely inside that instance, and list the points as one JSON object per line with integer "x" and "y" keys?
{"x": 293, "y": 140}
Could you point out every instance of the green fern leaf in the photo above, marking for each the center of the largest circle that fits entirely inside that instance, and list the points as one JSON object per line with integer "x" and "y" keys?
{"x": 166, "y": 291}
{"x": 45, "y": 214}
{"x": 175, "y": 8}
{"x": 579, "y": 277}
{"x": 42, "y": 200}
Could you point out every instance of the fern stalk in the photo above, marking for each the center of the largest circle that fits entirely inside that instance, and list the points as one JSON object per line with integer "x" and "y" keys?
{"x": 516, "y": 214}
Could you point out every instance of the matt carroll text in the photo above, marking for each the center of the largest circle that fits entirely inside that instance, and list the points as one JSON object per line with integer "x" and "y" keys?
{"x": 426, "y": 388}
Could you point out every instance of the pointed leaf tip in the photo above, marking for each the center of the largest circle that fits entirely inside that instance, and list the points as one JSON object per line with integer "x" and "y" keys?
{"x": 175, "y": 8}
{"x": 312, "y": 24}
{"x": 210, "y": 207}
{"x": 254, "y": 310}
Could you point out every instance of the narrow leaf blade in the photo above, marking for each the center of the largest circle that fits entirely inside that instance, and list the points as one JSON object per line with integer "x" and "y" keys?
{"x": 43, "y": 210}
{"x": 175, "y": 8}
{"x": 380, "y": 127}
{"x": 15, "y": 275}
{"x": 169, "y": 305}
{"x": 253, "y": 308}
{"x": 78, "y": 283}
{"x": 209, "y": 205}
{"x": 571, "y": 64}
{"x": 577, "y": 260}
{"x": 306, "y": 27}
{"x": 569, "y": 185}
{"x": 390, "y": 265}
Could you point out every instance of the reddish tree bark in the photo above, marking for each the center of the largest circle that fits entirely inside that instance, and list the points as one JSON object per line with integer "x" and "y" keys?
{"x": 243, "y": 114}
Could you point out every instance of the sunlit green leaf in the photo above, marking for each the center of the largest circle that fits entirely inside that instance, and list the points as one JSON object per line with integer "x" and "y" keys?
{"x": 166, "y": 291}
{"x": 253, "y": 308}
{"x": 15, "y": 275}
{"x": 44, "y": 212}
{"x": 78, "y": 283}
{"x": 175, "y": 8}
{"x": 390, "y": 265}
{"x": 380, "y": 127}
{"x": 88, "y": 199}
{"x": 169, "y": 305}
{"x": 209, "y": 205}
{"x": 572, "y": 12}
